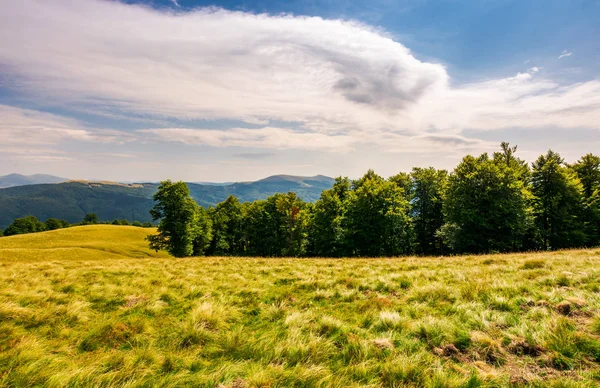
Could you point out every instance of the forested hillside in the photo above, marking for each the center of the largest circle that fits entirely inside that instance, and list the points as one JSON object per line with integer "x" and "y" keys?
{"x": 73, "y": 200}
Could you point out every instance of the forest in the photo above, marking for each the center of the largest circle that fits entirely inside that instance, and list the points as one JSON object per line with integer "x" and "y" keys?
{"x": 488, "y": 204}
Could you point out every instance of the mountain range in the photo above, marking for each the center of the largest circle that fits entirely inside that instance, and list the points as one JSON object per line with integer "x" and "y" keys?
{"x": 12, "y": 180}
{"x": 71, "y": 200}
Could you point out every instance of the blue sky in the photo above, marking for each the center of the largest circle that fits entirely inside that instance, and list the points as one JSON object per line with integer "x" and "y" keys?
{"x": 148, "y": 90}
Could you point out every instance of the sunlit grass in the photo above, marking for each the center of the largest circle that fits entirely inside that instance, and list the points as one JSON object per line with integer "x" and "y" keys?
{"x": 92, "y": 306}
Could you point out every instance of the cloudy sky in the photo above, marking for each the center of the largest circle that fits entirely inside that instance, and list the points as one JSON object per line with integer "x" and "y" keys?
{"x": 239, "y": 90}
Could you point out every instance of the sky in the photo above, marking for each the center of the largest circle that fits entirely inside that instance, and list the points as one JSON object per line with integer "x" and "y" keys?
{"x": 146, "y": 90}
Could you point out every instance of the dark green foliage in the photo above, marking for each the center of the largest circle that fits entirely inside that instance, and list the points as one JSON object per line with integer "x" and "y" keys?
{"x": 121, "y": 222}
{"x": 427, "y": 195}
{"x": 29, "y": 224}
{"x": 201, "y": 230}
{"x": 558, "y": 203}
{"x": 587, "y": 170}
{"x": 90, "y": 219}
{"x": 277, "y": 226}
{"x": 183, "y": 230}
{"x": 486, "y": 206}
{"x": 227, "y": 227}
{"x": 377, "y": 218}
{"x": 327, "y": 232}
{"x": 53, "y": 224}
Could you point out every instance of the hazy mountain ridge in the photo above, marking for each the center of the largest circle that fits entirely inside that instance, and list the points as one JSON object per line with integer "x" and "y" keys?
{"x": 12, "y": 180}
{"x": 71, "y": 200}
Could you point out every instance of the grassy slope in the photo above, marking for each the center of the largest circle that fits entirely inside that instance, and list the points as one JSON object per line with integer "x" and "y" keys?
{"x": 73, "y": 320}
{"x": 82, "y": 242}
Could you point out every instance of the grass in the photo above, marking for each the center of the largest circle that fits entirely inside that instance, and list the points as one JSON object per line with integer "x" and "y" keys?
{"x": 91, "y": 306}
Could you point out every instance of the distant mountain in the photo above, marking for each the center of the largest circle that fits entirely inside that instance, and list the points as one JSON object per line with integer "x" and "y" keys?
{"x": 214, "y": 183}
{"x": 109, "y": 200}
{"x": 12, "y": 180}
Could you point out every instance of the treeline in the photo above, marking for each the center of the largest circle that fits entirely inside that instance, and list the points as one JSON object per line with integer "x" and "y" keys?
{"x": 30, "y": 224}
{"x": 489, "y": 203}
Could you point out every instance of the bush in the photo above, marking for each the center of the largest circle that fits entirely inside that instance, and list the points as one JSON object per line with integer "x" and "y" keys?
{"x": 53, "y": 224}
{"x": 29, "y": 224}
{"x": 90, "y": 219}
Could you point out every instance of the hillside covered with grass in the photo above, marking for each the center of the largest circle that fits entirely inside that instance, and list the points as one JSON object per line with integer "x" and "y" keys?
{"x": 89, "y": 242}
{"x": 91, "y": 306}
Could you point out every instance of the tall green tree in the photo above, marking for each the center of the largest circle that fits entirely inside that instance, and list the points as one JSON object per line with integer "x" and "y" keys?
{"x": 277, "y": 226}
{"x": 378, "y": 223}
{"x": 558, "y": 203}
{"x": 294, "y": 216}
{"x": 177, "y": 214}
{"x": 28, "y": 224}
{"x": 587, "y": 169}
{"x": 202, "y": 231}
{"x": 227, "y": 228}
{"x": 428, "y": 190}
{"x": 486, "y": 206}
{"x": 404, "y": 181}
{"x": 263, "y": 234}
{"x": 327, "y": 232}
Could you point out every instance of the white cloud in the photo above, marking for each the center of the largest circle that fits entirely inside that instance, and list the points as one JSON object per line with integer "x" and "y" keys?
{"x": 565, "y": 53}
{"x": 268, "y": 137}
{"x": 34, "y": 128}
{"x": 175, "y": 3}
{"x": 346, "y": 83}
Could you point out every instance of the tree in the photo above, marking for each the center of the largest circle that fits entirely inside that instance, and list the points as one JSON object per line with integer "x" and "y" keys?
{"x": 262, "y": 228}
{"x": 202, "y": 231}
{"x": 403, "y": 181}
{"x": 377, "y": 220}
{"x": 294, "y": 216}
{"x": 486, "y": 206}
{"x": 227, "y": 228}
{"x": 558, "y": 203}
{"x": 276, "y": 226}
{"x": 53, "y": 223}
{"x": 177, "y": 214}
{"x": 428, "y": 186}
{"x": 587, "y": 169}
{"x": 90, "y": 219}
{"x": 327, "y": 235}
{"x": 29, "y": 224}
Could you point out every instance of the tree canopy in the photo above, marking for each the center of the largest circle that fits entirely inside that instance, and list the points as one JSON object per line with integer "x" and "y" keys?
{"x": 488, "y": 203}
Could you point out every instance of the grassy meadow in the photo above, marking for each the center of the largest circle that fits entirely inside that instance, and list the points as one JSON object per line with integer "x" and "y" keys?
{"x": 92, "y": 306}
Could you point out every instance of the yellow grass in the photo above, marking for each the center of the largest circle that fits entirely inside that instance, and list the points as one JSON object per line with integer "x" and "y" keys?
{"x": 92, "y": 306}
{"x": 93, "y": 242}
